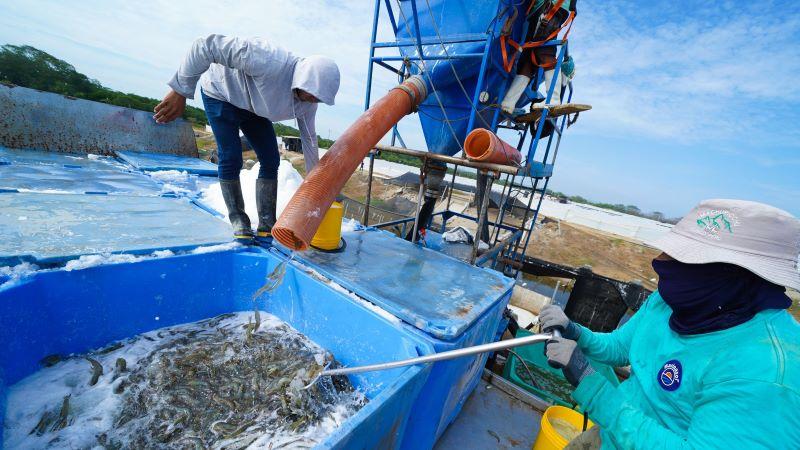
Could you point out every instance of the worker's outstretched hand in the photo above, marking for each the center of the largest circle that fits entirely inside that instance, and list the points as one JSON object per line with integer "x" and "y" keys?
{"x": 552, "y": 317}
{"x": 170, "y": 108}
{"x": 564, "y": 354}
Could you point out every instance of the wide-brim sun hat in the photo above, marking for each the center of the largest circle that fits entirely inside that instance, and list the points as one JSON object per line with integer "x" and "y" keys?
{"x": 760, "y": 238}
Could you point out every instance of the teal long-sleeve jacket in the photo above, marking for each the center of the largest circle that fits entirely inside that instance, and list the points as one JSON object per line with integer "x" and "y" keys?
{"x": 734, "y": 388}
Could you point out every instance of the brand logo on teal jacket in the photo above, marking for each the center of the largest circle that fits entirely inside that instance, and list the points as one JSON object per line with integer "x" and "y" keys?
{"x": 669, "y": 377}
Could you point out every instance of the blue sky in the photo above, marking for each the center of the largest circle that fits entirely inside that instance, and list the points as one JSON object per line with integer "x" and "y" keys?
{"x": 692, "y": 100}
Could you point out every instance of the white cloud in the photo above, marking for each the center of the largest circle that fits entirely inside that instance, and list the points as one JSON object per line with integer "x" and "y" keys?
{"x": 135, "y": 47}
{"x": 718, "y": 79}
{"x": 687, "y": 81}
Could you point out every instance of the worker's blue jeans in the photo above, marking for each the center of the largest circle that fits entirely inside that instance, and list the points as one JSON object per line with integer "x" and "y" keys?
{"x": 226, "y": 120}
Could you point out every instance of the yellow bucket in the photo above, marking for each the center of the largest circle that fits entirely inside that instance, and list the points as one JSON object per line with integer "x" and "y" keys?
{"x": 329, "y": 233}
{"x": 549, "y": 438}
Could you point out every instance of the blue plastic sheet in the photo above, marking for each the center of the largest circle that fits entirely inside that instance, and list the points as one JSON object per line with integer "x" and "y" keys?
{"x": 78, "y": 173}
{"x": 435, "y": 293}
{"x": 41, "y": 157}
{"x": 56, "y": 227}
{"x": 159, "y": 161}
{"x": 75, "y": 180}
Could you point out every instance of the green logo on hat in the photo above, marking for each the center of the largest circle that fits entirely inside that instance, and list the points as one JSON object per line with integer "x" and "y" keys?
{"x": 714, "y": 222}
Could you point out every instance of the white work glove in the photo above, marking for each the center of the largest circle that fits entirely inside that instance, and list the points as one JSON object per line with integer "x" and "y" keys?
{"x": 564, "y": 354}
{"x": 552, "y": 317}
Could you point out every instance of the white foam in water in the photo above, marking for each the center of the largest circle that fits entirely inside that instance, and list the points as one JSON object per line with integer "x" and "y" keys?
{"x": 87, "y": 261}
{"x": 16, "y": 273}
{"x": 216, "y": 248}
{"x": 171, "y": 180}
{"x": 350, "y": 225}
{"x": 94, "y": 410}
{"x": 13, "y": 274}
{"x": 169, "y": 176}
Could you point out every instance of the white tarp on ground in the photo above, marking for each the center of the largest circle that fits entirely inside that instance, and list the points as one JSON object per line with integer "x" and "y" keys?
{"x": 639, "y": 228}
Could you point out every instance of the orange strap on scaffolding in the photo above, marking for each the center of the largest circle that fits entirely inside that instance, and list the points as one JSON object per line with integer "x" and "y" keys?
{"x": 508, "y": 63}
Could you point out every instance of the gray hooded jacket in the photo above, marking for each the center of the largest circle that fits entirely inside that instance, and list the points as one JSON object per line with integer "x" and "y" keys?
{"x": 254, "y": 75}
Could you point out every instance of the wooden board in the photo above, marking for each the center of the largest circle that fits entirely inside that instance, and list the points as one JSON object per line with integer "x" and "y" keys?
{"x": 554, "y": 111}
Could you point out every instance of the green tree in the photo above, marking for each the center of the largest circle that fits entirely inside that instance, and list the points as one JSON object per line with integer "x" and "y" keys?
{"x": 30, "y": 67}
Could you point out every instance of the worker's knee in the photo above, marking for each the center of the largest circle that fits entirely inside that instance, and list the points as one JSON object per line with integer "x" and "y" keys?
{"x": 230, "y": 162}
{"x": 268, "y": 171}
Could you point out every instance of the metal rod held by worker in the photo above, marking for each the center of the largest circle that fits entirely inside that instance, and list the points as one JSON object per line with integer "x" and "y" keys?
{"x": 452, "y": 354}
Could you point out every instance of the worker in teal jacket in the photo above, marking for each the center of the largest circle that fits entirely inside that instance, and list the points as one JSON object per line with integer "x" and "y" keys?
{"x": 714, "y": 355}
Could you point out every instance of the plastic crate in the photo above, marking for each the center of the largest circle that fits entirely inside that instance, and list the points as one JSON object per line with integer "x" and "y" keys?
{"x": 533, "y": 355}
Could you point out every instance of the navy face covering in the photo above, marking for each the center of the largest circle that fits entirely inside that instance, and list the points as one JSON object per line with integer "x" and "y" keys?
{"x": 716, "y": 296}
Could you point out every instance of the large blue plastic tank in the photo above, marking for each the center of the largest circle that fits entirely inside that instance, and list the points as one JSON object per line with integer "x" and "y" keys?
{"x": 71, "y": 312}
{"x": 444, "y": 301}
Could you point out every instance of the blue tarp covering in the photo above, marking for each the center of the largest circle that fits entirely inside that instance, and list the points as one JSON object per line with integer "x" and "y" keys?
{"x": 435, "y": 293}
{"x": 40, "y": 157}
{"x": 55, "y": 227}
{"x": 158, "y": 161}
{"x": 75, "y": 179}
{"x": 37, "y": 170}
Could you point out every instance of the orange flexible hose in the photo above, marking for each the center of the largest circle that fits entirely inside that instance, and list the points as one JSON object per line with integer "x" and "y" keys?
{"x": 483, "y": 145}
{"x": 302, "y": 216}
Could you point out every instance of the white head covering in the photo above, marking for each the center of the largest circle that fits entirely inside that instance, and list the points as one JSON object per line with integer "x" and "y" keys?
{"x": 763, "y": 239}
{"x": 319, "y": 76}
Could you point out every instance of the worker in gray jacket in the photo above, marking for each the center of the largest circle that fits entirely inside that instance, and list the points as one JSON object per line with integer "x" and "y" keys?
{"x": 246, "y": 84}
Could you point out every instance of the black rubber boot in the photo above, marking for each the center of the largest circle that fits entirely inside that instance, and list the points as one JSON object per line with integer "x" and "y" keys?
{"x": 232, "y": 195}
{"x": 433, "y": 189}
{"x": 266, "y": 200}
{"x": 483, "y": 233}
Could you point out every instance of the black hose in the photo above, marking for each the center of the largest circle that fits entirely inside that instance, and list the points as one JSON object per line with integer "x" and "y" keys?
{"x": 527, "y": 369}
{"x": 425, "y": 213}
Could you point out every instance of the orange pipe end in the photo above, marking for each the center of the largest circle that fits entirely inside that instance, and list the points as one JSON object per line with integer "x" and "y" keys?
{"x": 483, "y": 145}
{"x": 303, "y": 214}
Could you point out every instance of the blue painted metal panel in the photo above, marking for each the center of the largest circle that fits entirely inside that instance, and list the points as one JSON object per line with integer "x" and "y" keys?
{"x": 155, "y": 161}
{"x": 84, "y": 310}
{"x": 437, "y": 294}
{"x": 541, "y": 170}
{"x": 54, "y": 227}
